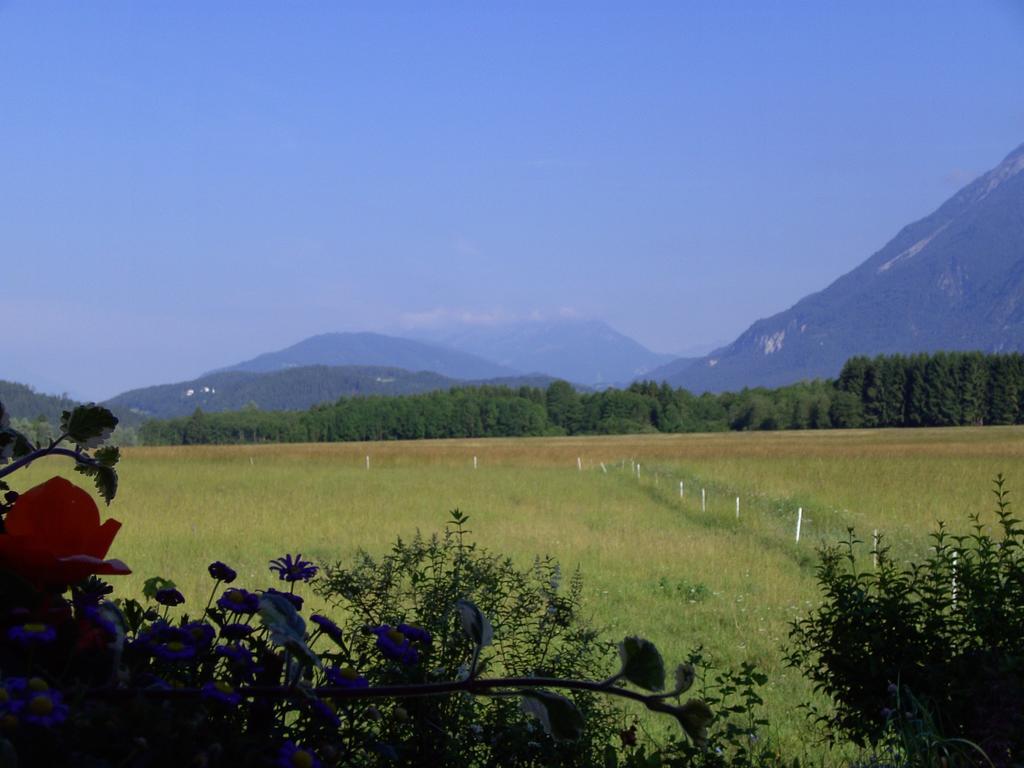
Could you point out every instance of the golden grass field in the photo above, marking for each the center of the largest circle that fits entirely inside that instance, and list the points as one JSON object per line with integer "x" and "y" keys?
{"x": 653, "y": 563}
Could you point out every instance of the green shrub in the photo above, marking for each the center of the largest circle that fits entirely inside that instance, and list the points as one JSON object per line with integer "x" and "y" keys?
{"x": 538, "y": 632}
{"x": 946, "y": 633}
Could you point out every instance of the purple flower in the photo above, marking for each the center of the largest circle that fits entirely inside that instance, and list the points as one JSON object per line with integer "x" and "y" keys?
{"x": 237, "y": 655}
{"x": 414, "y": 633}
{"x": 327, "y": 626}
{"x": 176, "y": 649}
{"x": 222, "y": 572}
{"x": 292, "y": 755}
{"x": 241, "y": 661}
{"x": 295, "y": 600}
{"x": 167, "y": 643}
{"x": 345, "y": 677}
{"x": 202, "y": 634}
{"x": 32, "y": 701}
{"x": 222, "y": 692}
{"x": 43, "y": 708}
{"x": 395, "y": 645}
{"x": 325, "y": 713}
{"x": 15, "y": 687}
{"x": 235, "y": 631}
{"x": 293, "y": 569}
{"x": 169, "y": 596}
{"x": 239, "y": 601}
{"x": 32, "y": 634}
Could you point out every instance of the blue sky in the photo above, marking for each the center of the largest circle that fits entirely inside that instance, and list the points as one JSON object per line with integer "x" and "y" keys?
{"x": 185, "y": 185}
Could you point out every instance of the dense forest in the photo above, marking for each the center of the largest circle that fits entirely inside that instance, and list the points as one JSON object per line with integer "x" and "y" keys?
{"x": 941, "y": 389}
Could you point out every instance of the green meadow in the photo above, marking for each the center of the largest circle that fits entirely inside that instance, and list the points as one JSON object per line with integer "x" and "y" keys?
{"x": 654, "y": 563}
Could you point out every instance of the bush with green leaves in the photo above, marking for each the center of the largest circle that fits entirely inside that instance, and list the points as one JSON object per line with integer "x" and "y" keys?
{"x": 537, "y": 632}
{"x": 946, "y": 633}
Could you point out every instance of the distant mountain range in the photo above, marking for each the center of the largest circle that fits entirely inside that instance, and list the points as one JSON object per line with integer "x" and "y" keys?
{"x": 586, "y": 351}
{"x": 374, "y": 349}
{"x": 290, "y": 389}
{"x": 951, "y": 281}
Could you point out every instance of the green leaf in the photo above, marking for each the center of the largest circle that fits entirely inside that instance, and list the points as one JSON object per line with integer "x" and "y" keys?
{"x": 642, "y": 664}
{"x": 133, "y": 612}
{"x": 559, "y": 716}
{"x": 88, "y": 425}
{"x": 103, "y": 476}
{"x": 13, "y": 445}
{"x": 287, "y": 628}
{"x": 694, "y": 716}
{"x": 108, "y": 456}
{"x": 476, "y": 626}
{"x": 154, "y": 584}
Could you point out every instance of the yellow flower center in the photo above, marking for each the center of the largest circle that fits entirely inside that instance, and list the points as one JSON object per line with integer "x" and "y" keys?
{"x": 223, "y": 686}
{"x": 175, "y": 646}
{"x": 4, "y": 696}
{"x": 41, "y": 705}
{"x": 34, "y": 628}
{"x": 348, "y": 673}
{"x": 236, "y": 597}
{"x": 396, "y": 636}
{"x": 37, "y": 684}
{"x": 302, "y": 759}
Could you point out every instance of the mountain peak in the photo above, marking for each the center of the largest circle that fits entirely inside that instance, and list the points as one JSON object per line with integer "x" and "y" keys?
{"x": 1012, "y": 164}
{"x": 953, "y": 280}
{"x": 579, "y": 349}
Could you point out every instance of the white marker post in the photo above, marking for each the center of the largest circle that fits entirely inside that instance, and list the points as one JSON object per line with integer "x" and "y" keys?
{"x": 474, "y": 462}
{"x": 251, "y": 462}
{"x": 874, "y": 548}
{"x": 680, "y": 489}
{"x": 703, "y": 500}
{"x": 367, "y": 461}
{"x": 799, "y": 520}
{"x": 637, "y": 471}
{"x": 604, "y": 468}
{"x": 737, "y": 507}
{"x": 579, "y": 464}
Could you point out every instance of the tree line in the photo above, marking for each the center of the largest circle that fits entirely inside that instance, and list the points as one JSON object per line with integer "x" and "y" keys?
{"x": 940, "y": 389}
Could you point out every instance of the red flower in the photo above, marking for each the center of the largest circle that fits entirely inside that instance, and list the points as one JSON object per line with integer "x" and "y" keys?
{"x": 54, "y": 537}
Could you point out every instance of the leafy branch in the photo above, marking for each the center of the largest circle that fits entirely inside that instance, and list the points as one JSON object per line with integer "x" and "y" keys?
{"x": 85, "y": 428}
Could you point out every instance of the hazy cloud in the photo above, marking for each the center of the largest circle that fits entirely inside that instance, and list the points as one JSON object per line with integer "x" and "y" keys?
{"x": 441, "y": 317}
{"x": 446, "y": 317}
{"x": 959, "y": 177}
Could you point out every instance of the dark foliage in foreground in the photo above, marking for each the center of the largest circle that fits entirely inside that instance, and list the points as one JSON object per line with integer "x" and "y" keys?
{"x": 933, "y": 648}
